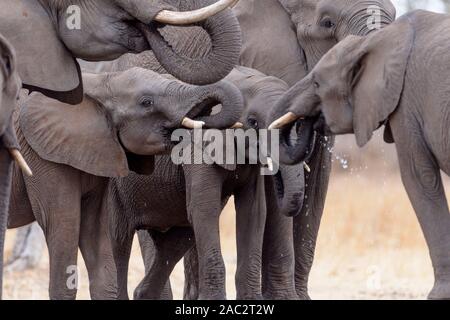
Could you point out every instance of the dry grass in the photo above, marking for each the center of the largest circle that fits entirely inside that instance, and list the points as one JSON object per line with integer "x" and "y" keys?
{"x": 370, "y": 246}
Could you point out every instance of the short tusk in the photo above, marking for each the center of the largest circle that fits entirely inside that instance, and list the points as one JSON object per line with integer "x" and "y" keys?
{"x": 192, "y": 124}
{"x": 18, "y": 158}
{"x": 270, "y": 164}
{"x": 237, "y": 125}
{"x": 284, "y": 120}
{"x": 194, "y": 16}
{"x": 307, "y": 168}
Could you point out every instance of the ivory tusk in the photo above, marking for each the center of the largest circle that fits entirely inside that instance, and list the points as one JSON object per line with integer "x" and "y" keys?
{"x": 18, "y": 158}
{"x": 237, "y": 125}
{"x": 307, "y": 168}
{"x": 270, "y": 164}
{"x": 192, "y": 124}
{"x": 284, "y": 120}
{"x": 194, "y": 16}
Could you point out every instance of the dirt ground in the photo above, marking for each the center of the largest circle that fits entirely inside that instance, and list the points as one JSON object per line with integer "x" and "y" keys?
{"x": 370, "y": 247}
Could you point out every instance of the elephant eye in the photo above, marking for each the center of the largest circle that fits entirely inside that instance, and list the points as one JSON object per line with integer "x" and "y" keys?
{"x": 327, "y": 23}
{"x": 316, "y": 85}
{"x": 253, "y": 123}
{"x": 147, "y": 102}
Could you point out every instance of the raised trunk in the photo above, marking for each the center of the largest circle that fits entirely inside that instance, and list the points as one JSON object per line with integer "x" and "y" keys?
{"x": 218, "y": 105}
{"x": 5, "y": 188}
{"x": 297, "y": 141}
{"x": 209, "y": 67}
{"x": 223, "y": 93}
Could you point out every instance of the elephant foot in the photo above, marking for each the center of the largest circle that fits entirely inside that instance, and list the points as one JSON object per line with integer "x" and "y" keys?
{"x": 440, "y": 291}
{"x": 303, "y": 295}
{"x": 215, "y": 296}
{"x": 253, "y": 296}
{"x": 281, "y": 296}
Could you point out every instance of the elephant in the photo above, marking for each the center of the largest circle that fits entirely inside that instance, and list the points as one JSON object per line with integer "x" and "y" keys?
{"x": 9, "y": 147}
{"x": 285, "y": 39}
{"x": 49, "y": 34}
{"x": 180, "y": 205}
{"x": 396, "y": 77}
{"x": 124, "y": 120}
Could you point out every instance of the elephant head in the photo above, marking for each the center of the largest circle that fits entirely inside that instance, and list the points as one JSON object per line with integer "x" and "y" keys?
{"x": 356, "y": 86}
{"x": 299, "y": 32}
{"x": 261, "y": 94}
{"x": 49, "y": 34}
{"x": 306, "y": 30}
{"x": 125, "y": 117}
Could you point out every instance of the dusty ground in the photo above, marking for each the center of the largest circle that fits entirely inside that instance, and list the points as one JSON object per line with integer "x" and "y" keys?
{"x": 370, "y": 244}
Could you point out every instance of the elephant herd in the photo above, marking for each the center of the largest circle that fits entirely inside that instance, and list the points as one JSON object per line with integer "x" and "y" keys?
{"x": 92, "y": 148}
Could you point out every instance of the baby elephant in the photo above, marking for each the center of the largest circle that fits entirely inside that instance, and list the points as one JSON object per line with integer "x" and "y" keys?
{"x": 176, "y": 197}
{"x": 125, "y": 119}
{"x": 400, "y": 77}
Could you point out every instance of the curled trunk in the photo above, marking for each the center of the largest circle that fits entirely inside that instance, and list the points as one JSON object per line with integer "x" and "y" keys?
{"x": 211, "y": 65}
{"x": 200, "y": 103}
{"x": 297, "y": 142}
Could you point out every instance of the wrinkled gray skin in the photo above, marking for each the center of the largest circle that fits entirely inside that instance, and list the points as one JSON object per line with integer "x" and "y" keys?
{"x": 10, "y": 84}
{"x": 149, "y": 202}
{"x": 306, "y": 30}
{"x": 47, "y": 47}
{"x": 399, "y": 74}
{"x": 125, "y": 118}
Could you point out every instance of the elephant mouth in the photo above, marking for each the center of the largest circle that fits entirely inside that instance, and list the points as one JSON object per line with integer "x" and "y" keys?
{"x": 198, "y": 112}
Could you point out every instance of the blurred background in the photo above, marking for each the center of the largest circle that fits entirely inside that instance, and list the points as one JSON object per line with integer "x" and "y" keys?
{"x": 370, "y": 245}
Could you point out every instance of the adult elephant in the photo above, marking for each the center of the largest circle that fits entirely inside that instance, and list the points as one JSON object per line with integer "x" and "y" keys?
{"x": 49, "y": 34}
{"x": 365, "y": 82}
{"x": 10, "y": 84}
{"x": 125, "y": 119}
{"x": 286, "y": 39}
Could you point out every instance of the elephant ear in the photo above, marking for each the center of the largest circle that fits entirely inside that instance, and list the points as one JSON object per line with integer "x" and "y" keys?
{"x": 379, "y": 70}
{"x": 78, "y": 136}
{"x": 11, "y": 84}
{"x": 45, "y": 63}
{"x": 269, "y": 40}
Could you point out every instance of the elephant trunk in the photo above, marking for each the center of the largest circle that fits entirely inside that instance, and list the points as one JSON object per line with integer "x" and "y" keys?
{"x": 5, "y": 189}
{"x": 211, "y": 66}
{"x": 297, "y": 132}
{"x": 205, "y": 98}
{"x": 290, "y": 189}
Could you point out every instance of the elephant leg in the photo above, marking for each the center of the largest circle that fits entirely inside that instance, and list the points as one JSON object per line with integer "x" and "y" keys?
{"x": 170, "y": 247}
{"x": 191, "y": 274}
{"x": 5, "y": 189}
{"x": 278, "y": 255}
{"x": 56, "y": 202}
{"x": 422, "y": 179}
{"x": 307, "y": 223}
{"x": 250, "y": 221}
{"x": 96, "y": 248}
{"x": 204, "y": 202}
{"x": 148, "y": 252}
{"x": 122, "y": 242}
